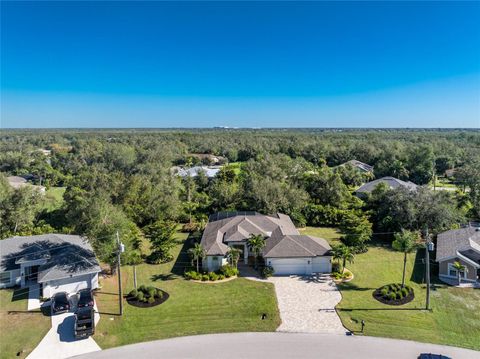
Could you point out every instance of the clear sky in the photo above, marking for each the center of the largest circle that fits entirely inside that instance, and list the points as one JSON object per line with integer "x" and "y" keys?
{"x": 250, "y": 64}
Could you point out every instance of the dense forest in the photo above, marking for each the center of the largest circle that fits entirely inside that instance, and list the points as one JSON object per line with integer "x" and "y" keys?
{"x": 122, "y": 180}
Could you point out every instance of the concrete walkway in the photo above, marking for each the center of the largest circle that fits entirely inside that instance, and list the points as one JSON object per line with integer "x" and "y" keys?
{"x": 279, "y": 346}
{"x": 33, "y": 297}
{"x": 60, "y": 343}
{"x": 307, "y": 304}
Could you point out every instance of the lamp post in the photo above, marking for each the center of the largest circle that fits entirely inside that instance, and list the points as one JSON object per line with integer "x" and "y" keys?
{"x": 120, "y": 250}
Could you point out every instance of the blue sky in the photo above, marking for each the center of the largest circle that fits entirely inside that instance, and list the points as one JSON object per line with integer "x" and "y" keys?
{"x": 251, "y": 64}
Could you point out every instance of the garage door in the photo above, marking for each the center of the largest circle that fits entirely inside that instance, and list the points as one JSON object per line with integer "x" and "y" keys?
{"x": 69, "y": 285}
{"x": 321, "y": 265}
{"x": 287, "y": 266}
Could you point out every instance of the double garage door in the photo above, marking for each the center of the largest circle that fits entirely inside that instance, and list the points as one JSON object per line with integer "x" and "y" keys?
{"x": 300, "y": 266}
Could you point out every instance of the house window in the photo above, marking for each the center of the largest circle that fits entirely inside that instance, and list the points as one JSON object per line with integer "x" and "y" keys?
{"x": 214, "y": 259}
{"x": 452, "y": 272}
{"x": 5, "y": 278}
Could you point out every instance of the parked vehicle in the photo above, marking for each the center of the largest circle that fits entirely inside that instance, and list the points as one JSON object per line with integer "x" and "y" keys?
{"x": 85, "y": 298}
{"x": 60, "y": 303}
{"x": 84, "y": 322}
{"x": 432, "y": 356}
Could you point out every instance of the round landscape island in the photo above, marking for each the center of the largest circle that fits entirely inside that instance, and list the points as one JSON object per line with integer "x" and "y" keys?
{"x": 394, "y": 294}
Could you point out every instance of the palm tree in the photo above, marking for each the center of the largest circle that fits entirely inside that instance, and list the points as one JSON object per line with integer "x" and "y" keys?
{"x": 459, "y": 267}
{"x": 197, "y": 253}
{"x": 256, "y": 242}
{"x": 405, "y": 242}
{"x": 234, "y": 255}
{"x": 343, "y": 253}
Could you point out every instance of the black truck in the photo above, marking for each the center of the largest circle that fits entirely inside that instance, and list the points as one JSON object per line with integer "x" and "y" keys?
{"x": 84, "y": 322}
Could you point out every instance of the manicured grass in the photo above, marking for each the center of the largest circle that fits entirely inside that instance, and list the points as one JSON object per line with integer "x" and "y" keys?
{"x": 332, "y": 235}
{"x": 53, "y": 198}
{"x": 453, "y": 320}
{"x": 20, "y": 331}
{"x": 193, "y": 308}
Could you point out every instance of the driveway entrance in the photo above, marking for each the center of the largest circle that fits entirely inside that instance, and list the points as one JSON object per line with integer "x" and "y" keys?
{"x": 307, "y": 304}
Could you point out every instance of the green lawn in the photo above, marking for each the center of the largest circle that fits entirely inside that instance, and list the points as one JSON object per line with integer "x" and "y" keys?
{"x": 193, "y": 308}
{"x": 454, "y": 319}
{"x": 332, "y": 235}
{"x": 20, "y": 331}
{"x": 53, "y": 198}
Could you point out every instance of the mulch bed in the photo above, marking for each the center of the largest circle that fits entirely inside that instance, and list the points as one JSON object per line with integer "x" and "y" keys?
{"x": 139, "y": 304}
{"x": 407, "y": 299}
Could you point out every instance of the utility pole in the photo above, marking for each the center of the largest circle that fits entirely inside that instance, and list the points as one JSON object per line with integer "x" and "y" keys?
{"x": 427, "y": 268}
{"x": 120, "y": 250}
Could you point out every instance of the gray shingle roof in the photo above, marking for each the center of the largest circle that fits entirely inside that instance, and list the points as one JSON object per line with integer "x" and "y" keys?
{"x": 391, "y": 182}
{"x": 360, "y": 165}
{"x": 65, "y": 255}
{"x": 461, "y": 240}
{"x": 282, "y": 238}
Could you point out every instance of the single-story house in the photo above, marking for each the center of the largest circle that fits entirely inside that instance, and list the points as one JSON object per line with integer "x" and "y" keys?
{"x": 286, "y": 250}
{"x": 359, "y": 165}
{"x": 17, "y": 182}
{"x": 462, "y": 245}
{"x": 57, "y": 262}
{"x": 209, "y": 171}
{"x": 391, "y": 183}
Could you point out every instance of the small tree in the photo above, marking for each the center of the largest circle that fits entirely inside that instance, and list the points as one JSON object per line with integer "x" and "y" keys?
{"x": 162, "y": 238}
{"x": 197, "y": 253}
{"x": 256, "y": 242}
{"x": 459, "y": 267}
{"x": 405, "y": 242}
{"x": 234, "y": 255}
{"x": 343, "y": 253}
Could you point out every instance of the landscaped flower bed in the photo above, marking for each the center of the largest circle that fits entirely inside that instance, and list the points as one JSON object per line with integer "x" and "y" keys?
{"x": 223, "y": 273}
{"x": 344, "y": 276}
{"x": 145, "y": 297}
{"x": 394, "y": 294}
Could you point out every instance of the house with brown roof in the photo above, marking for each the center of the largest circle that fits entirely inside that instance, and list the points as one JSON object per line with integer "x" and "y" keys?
{"x": 286, "y": 250}
{"x": 459, "y": 245}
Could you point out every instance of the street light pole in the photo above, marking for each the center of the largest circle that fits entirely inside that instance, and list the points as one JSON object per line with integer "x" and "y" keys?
{"x": 427, "y": 268}
{"x": 119, "y": 252}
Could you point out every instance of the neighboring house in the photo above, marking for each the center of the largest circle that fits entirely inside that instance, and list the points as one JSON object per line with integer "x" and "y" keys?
{"x": 209, "y": 171}
{"x": 286, "y": 250}
{"x": 450, "y": 173}
{"x": 19, "y": 182}
{"x": 391, "y": 183}
{"x": 58, "y": 262}
{"x": 462, "y": 245}
{"x": 359, "y": 165}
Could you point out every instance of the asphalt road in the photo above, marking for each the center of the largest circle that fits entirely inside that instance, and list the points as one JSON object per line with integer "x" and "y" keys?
{"x": 279, "y": 346}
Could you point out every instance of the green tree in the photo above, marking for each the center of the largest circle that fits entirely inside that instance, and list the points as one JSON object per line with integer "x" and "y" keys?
{"x": 405, "y": 242}
{"x": 256, "y": 242}
{"x": 233, "y": 255}
{"x": 357, "y": 230}
{"x": 197, "y": 252}
{"x": 459, "y": 267}
{"x": 161, "y": 235}
{"x": 343, "y": 253}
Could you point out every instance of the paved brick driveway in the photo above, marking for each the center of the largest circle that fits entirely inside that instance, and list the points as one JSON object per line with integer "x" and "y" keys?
{"x": 307, "y": 304}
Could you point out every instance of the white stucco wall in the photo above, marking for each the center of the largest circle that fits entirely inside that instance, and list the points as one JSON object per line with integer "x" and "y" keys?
{"x": 212, "y": 265}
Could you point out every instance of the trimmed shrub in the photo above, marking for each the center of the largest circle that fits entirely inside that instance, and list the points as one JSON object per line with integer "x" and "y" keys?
{"x": 267, "y": 271}
{"x": 193, "y": 275}
{"x": 212, "y": 276}
{"x": 384, "y": 291}
{"x": 133, "y": 293}
{"x": 399, "y": 294}
{"x": 142, "y": 288}
{"x": 140, "y": 296}
{"x": 151, "y": 292}
{"x": 205, "y": 277}
{"x": 158, "y": 293}
{"x": 405, "y": 292}
{"x": 151, "y": 300}
{"x": 392, "y": 296}
{"x": 221, "y": 277}
{"x": 228, "y": 271}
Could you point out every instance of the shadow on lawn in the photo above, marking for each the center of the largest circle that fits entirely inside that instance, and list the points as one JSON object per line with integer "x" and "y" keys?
{"x": 181, "y": 263}
{"x": 375, "y": 309}
{"x": 351, "y": 286}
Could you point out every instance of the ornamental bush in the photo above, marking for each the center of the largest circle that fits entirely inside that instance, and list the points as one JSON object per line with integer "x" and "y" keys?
{"x": 267, "y": 271}
{"x": 140, "y": 296}
{"x": 133, "y": 293}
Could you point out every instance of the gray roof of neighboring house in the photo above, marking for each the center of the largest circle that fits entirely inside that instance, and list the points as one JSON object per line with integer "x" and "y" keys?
{"x": 64, "y": 255}
{"x": 461, "y": 240}
{"x": 360, "y": 165}
{"x": 19, "y": 182}
{"x": 391, "y": 182}
{"x": 282, "y": 238}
